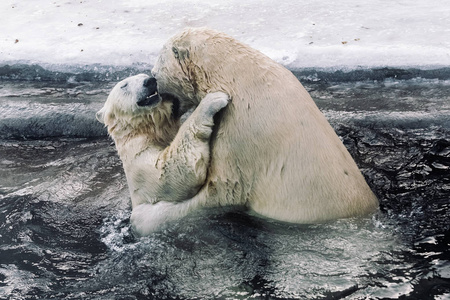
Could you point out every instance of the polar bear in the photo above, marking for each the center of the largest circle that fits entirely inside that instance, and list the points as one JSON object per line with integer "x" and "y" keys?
{"x": 163, "y": 161}
{"x": 274, "y": 152}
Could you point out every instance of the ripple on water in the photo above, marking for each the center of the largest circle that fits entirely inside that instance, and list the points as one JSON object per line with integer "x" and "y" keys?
{"x": 65, "y": 233}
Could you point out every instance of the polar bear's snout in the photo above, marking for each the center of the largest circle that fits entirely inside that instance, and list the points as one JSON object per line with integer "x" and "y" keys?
{"x": 150, "y": 95}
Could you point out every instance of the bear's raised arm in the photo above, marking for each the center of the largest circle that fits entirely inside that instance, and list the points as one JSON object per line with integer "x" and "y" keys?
{"x": 183, "y": 164}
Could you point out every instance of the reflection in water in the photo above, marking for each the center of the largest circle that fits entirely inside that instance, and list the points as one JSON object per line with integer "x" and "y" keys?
{"x": 64, "y": 218}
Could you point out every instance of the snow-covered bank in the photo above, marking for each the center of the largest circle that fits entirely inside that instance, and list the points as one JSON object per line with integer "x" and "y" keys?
{"x": 326, "y": 34}
{"x": 59, "y": 59}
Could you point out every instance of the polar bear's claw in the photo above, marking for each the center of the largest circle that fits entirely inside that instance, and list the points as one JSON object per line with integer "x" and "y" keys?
{"x": 214, "y": 102}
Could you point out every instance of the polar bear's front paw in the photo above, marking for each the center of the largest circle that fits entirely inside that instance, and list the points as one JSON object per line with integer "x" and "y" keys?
{"x": 148, "y": 218}
{"x": 214, "y": 102}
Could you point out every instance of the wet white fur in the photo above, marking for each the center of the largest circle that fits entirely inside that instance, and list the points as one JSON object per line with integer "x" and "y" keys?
{"x": 275, "y": 152}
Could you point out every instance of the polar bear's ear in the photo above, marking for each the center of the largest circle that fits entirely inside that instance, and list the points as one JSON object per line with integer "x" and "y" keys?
{"x": 100, "y": 115}
{"x": 180, "y": 53}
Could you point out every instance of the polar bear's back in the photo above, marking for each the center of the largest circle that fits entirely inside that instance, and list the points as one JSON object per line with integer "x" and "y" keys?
{"x": 282, "y": 158}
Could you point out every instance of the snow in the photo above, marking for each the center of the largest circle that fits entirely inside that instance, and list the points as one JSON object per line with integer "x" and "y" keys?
{"x": 298, "y": 34}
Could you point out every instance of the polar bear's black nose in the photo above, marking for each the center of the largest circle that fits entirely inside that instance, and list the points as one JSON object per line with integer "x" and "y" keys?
{"x": 150, "y": 83}
{"x": 150, "y": 93}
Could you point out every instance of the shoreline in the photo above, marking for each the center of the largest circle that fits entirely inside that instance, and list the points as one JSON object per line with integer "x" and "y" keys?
{"x": 22, "y": 71}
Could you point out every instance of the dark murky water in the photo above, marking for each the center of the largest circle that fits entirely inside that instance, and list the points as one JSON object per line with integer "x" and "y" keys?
{"x": 64, "y": 208}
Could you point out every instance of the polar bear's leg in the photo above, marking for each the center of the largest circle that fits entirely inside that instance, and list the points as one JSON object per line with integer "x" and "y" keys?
{"x": 148, "y": 218}
{"x": 184, "y": 163}
{"x": 199, "y": 124}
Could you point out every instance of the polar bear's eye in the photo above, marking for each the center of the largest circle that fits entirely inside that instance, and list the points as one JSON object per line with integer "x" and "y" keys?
{"x": 175, "y": 52}
{"x": 124, "y": 86}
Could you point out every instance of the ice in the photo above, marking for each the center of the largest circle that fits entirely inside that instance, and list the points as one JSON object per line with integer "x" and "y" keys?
{"x": 299, "y": 34}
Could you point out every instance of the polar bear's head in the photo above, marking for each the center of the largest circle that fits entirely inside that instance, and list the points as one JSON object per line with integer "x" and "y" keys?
{"x": 133, "y": 95}
{"x": 198, "y": 61}
{"x": 134, "y": 106}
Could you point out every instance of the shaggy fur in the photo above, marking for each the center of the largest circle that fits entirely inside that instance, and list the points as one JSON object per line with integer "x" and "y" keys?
{"x": 274, "y": 151}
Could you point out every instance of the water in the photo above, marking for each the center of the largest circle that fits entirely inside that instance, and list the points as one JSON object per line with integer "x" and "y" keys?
{"x": 64, "y": 208}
